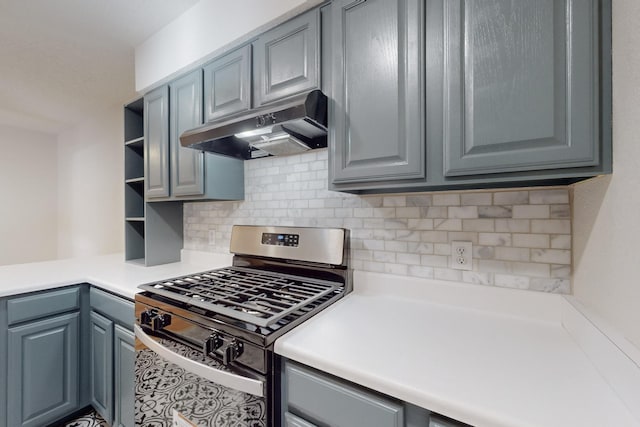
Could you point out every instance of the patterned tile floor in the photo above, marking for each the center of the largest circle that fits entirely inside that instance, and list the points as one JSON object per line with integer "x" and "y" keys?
{"x": 90, "y": 419}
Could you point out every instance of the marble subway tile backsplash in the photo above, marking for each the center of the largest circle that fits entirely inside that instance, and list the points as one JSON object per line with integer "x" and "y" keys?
{"x": 521, "y": 238}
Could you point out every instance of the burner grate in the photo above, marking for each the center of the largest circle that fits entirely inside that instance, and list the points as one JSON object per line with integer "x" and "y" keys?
{"x": 254, "y": 296}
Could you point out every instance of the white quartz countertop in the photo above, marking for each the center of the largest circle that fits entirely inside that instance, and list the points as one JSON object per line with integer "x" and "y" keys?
{"x": 481, "y": 355}
{"x": 109, "y": 272}
{"x": 484, "y": 356}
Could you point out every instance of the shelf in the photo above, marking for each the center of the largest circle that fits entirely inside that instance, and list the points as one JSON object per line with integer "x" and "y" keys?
{"x": 133, "y": 163}
{"x": 134, "y": 207}
{"x": 133, "y": 120}
{"x": 134, "y": 142}
{"x": 134, "y": 240}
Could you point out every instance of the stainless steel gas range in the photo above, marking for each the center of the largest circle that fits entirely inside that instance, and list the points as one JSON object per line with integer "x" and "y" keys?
{"x": 204, "y": 342}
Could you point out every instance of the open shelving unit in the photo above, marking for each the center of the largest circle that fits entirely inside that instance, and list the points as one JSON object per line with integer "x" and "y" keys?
{"x": 134, "y": 206}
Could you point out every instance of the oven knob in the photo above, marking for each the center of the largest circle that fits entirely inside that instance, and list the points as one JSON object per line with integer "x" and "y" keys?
{"x": 159, "y": 321}
{"x": 146, "y": 316}
{"x": 231, "y": 351}
{"x": 212, "y": 343}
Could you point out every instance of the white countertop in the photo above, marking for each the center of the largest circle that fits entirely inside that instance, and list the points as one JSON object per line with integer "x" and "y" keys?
{"x": 485, "y": 356}
{"x": 109, "y": 272}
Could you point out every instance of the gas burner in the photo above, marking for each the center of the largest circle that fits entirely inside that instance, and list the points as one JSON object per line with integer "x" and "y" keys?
{"x": 258, "y": 297}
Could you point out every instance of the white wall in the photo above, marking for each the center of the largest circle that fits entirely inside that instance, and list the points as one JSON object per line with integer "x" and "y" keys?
{"x": 91, "y": 186}
{"x": 607, "y": 210}
{"x": 206, "y": 27}
{"x": 28, "y": 193}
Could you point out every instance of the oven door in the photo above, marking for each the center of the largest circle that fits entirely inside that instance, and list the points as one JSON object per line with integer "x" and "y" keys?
{"x": 177, "y": 386}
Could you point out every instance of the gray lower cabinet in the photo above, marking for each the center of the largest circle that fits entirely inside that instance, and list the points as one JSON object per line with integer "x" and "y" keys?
{"x": 156, "y": 143}
{"x": 124, "y": 355}
{"x": 101, "y": 365}
{"x": 227, "y": 84}
{"x": 112, "y": 357}
{"x": 43, "y": 369}
{"x": 287, "y": 59}
{"x": 377, "y": 90}
{"x": 496, "y": 93}
{"x": 312, "y": 398}
{"x": 40, "y": 342}
{"x": 66, "y": 349}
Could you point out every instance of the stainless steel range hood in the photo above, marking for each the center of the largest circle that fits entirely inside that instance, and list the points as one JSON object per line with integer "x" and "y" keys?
{"x": 291, "y": 126}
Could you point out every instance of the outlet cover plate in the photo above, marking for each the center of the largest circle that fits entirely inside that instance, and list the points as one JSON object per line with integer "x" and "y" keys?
{"x": 461, "y": 255}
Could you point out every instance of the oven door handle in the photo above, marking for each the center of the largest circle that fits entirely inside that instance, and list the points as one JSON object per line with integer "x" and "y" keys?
{"x": 227, "y": 379}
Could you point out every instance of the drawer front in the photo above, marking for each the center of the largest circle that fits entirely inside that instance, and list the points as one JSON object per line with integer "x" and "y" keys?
{"x": 118, "y": 309}
{"x": 325, "y": 400}
{"x": 44, "y": 304}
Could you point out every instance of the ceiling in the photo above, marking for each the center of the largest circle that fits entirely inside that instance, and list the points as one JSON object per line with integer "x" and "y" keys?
{"x": 64, "y": 61}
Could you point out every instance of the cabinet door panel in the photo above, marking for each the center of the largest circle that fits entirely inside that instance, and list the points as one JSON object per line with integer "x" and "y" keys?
{"x": 186, "y": 113}
{"x": 287, "y": 59}
{"x": 124, "y": 358}
{"x": 156, "y": 143}
{"x": 521, "y": 85}
{"x": 377, "y": 84}
{"x": 101, "y": 365}
{"x": 43, "y": 371}
{"x": 227, "y": 84}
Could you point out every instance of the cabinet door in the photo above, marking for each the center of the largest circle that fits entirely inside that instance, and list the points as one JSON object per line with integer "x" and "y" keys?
{"x": 42, "y": 378}
{"x": 377, "y": 90}
{"x": 156, "y": 143}
{"x": 227, "y": 84}
{"x": 521, "y": 85}
{"x": 186, "y": 113}
{"x": 101, "y": 365}
{"x": 124, "y": 358}
{"x": 288, "y": 59}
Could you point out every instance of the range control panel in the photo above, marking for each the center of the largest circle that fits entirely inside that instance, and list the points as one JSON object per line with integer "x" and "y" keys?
{"x": 278, "y": 239}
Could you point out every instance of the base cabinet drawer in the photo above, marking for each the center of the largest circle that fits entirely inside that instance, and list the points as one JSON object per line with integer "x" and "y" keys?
{"x": 325, "y": 401}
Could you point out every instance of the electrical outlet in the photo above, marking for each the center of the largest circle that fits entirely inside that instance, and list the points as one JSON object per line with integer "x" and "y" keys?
{"x": 461, "y": 255}
{"x": 212, "y": 237}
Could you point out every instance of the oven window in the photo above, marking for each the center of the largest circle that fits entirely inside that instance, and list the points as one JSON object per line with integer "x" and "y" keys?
{"x": 162, "y": 387}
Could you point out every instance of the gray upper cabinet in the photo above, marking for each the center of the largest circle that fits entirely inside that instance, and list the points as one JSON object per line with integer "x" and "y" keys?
{"x": 521, "y": 85}
{"x": 287, "y": 59}
{"x": 173, "y": 172}
{"x": 227, "y": 84}
{"x": 457, "y": 94}
{"x": 185, "y": 94}
{"x": 377, "y": 89}
{"x": 156, "y": 143}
